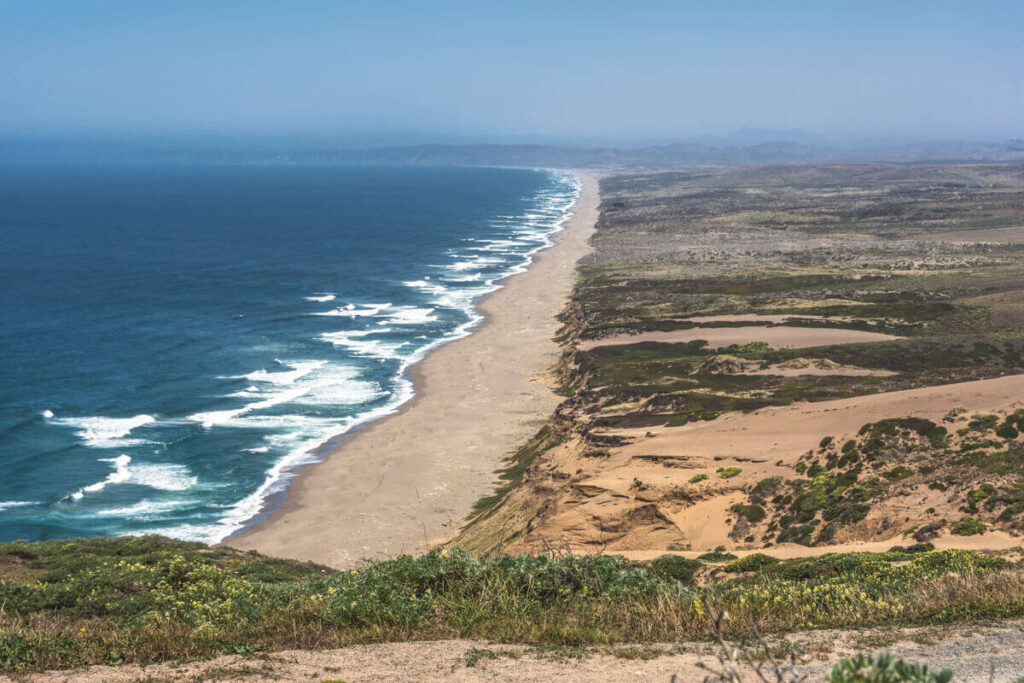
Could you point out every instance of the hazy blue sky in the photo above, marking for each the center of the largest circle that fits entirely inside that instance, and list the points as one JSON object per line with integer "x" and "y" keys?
{"x": 637, "y": 70}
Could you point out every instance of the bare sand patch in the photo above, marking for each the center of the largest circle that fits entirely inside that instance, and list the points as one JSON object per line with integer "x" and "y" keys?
{"x": 841, "y": 371}
{"x": 784, "y": 433}
{"x": 703, "y": 524}
{"x": 778, "y": 337}
{"x": 409, "y": 479}
{"x": 773, "y": 319}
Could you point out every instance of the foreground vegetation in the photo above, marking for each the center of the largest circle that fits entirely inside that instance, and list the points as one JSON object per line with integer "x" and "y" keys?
{"x": 69, "y": 603}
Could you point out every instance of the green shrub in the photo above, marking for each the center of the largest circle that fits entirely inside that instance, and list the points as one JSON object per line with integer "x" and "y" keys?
{"x": 751, "y": 563}
{"x": 752, "y": 513}
{"x": 729, "y": 472}
{"x": 968, "y": 526}
{"x": 797, "y": 534}
{"x": 1008, "y": 432}
{"x": 923, "y": 547}
{"x": 979, "y": 494}
{"x": 716, "y": 555}
{"x": 698, "y": 477}
{"x": 681, "y": 569}
{"x": 983, "y": 422}
{"x": 898, "y": 473}
{"x": 937, "y": 437}
{"x": 884, "y": 669}
{"x": 766, "y": 486}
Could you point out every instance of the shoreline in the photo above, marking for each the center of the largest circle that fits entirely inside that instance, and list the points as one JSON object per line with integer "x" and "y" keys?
{"x": 409, "y": 479}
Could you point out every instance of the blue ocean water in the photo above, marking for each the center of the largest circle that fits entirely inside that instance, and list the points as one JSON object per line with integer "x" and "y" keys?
{"x": 176, "y": 340}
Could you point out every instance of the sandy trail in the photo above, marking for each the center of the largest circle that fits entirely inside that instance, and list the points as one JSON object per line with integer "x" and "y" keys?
{"x": 974, "y": 654}
{"x": 412, "y": 477}
{"x": 990, "y": 540}
{"x": 779, "y": 337}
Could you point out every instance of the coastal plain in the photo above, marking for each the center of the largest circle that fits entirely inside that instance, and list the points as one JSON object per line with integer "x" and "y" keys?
{"x": 791, "y": 360}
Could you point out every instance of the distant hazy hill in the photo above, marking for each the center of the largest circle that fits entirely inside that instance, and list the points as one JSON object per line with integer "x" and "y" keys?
{"x": 680, "y": 154}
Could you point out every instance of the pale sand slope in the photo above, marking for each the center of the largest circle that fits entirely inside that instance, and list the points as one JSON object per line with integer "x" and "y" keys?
{"x": 974, "y": 654}
{"x": 787, "y": 432}
{"x": 780, "y": 337}
{"x": 623, "y": 502}
{"x": 412, "y": 477}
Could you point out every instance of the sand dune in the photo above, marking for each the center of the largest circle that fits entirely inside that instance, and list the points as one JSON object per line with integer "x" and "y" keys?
{"x": 641, "y": 499}
{"x": 787, "y": 432}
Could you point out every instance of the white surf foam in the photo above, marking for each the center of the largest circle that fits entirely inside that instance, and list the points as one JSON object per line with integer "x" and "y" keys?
{"x": 107, "y": 432}
{"x": 204, "y": 533}
{"x": 473, "y": 277}
{"x": 353, "y": 311}
{"x": 296, "y": 370}
{"x": 357, "y": 343}
{"x": 321, "y": 298}
{"x": 306, "y": 382}
{"x": 162, "y": 476}
{"x": 7, "y": 504}
{"x": 147, "y": 509}
{"x": 474, "y": 263}
{"x": 409, "y": 315}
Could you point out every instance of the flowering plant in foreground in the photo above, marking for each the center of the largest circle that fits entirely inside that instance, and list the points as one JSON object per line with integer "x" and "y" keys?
{"x": 150, "y": 599}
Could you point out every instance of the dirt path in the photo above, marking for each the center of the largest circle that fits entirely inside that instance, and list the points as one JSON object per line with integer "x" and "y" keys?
{"x": 974, "y": 653}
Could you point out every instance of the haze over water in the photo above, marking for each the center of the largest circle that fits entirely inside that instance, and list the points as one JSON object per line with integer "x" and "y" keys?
{"x": 178, "y": 338}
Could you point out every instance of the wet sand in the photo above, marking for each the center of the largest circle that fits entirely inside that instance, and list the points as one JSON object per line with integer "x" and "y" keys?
{"x": 410, "y": 479}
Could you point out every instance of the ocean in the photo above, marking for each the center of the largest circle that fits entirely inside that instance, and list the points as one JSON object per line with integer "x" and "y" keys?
{"x": 178, "y": 339}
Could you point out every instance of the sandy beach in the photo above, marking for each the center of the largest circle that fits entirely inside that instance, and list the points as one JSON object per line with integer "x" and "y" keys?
{"x": 411, "y": 478}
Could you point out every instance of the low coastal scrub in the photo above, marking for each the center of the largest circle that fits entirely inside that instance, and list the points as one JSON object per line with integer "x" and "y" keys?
{"x": 885, "y": 669}
{"x": 971, "y": 471}
{"x": 69, "y": 603}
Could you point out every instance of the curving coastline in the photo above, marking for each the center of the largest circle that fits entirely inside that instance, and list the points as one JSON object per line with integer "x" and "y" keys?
{"x": 410, "y": 478}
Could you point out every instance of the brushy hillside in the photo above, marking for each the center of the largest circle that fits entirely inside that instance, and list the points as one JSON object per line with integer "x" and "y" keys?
{"x": 966, "y": 478}
{"x": 713, "y": 294}
{"x": 147, "y": 599}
